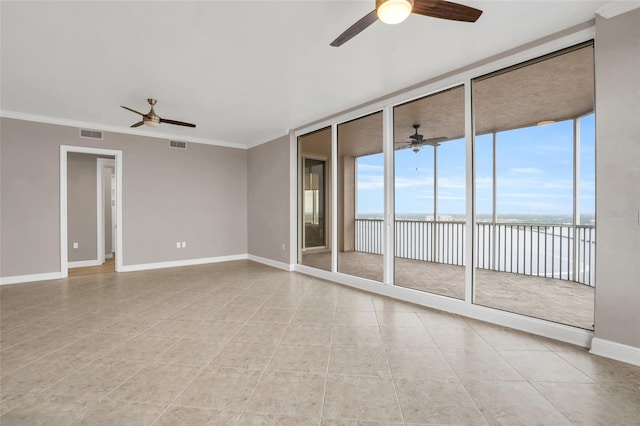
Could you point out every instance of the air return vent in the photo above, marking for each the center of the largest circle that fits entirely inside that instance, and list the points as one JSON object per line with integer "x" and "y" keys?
{"x": 90, "y": 134}
{"x": 178, "y": 144}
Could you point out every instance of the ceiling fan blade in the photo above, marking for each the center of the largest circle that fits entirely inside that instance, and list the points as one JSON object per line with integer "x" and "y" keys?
{"x": 133, "y": 110}
{"x": 177, "y": 123}
{"x": 355, "y": 29}
{"x": 403, "y": 145}
{"x": 446, "y": 10}
{"x": 138, "y": 124}
{"x": 433, "y": 141}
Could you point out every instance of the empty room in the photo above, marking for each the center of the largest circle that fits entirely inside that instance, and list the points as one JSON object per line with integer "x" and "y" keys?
{"x": 367, "y": 212}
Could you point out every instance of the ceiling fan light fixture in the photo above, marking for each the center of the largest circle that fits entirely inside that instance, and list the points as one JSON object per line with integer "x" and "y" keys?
{"x": 415, "y": 148}
{"x": 393, "y": 11}
{"x": 152, "y": 121}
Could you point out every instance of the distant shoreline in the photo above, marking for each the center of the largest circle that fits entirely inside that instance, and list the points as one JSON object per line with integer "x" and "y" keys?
{"x": 551, "y": 218}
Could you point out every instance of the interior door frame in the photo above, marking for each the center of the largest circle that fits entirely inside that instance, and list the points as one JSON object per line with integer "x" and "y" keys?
{"x": 101, "y": 163}
{"x": 64, "y": 150}
{"x": 325, "y": 160}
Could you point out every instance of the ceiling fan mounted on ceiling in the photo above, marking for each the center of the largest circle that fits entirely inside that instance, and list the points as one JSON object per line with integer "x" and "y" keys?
{"x": 396, "y": 11}
{"x": 152, "y": 119}
{"x": 417, "y": 141}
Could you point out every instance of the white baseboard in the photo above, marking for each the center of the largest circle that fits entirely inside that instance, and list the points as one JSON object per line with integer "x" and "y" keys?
{"x": 176, "y": 263}
{"x": 83, "y": 263}
{"x": 617, "y": 351}
{"x": 564, "y": 333}
{"x": 31, "y": 278}
{"x": 108, "y": 256}
{"x": 271, "y": 262}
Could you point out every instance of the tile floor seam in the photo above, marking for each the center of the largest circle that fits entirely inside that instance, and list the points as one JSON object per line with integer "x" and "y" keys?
{"x": 595, "y": 380}
{"x": 551, "y": 402}
{"x": 386, "y": 356}
{"x": 531, "y": 384}
{"x": 106, "y": 396}
{"x": 264, "y": 370}
{"x": 48, "y": 354}
{"x": 31, "y": 308}
{"x": 245, "y": 285}
{"x": 212, "y": 359}
{"x": 326, "y": 375}
{"x": 460, "y": 381}
{"x": 3, "y": 348}
{"x": 96, "y": 402}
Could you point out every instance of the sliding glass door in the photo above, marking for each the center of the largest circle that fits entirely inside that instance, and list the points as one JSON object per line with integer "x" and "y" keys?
{"x": 430, "y": 194}
{"x": 361, "y": 197}
{"x": 535, "y": 241}
{"x": 314, "y": 198}
{"x": 504, "y": 217}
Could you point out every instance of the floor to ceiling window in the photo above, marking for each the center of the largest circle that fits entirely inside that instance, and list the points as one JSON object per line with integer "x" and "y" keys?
{"x": 534, "y": 166}
{"x": 314, "y": 152}
{"x": 361, "y": 197}
{"x": 430, "y": 193}
{"x": 403, "y": 212}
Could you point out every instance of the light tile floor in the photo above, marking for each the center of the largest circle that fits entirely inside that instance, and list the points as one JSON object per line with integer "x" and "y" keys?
{"x": 561, "y": 301}
{"x": 240, "y": 343}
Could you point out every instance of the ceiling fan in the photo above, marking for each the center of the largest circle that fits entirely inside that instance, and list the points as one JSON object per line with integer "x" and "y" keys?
{"x": 417, "y": 141}
{"x": 396, "y": 11}
{"x": 152, "y": 119}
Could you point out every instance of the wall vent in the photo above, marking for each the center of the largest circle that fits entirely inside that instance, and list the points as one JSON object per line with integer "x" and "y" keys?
{"x": 90, "y": 134}
{"x": 178, "y": 144}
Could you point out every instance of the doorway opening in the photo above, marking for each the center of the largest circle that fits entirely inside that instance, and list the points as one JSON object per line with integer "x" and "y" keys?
{"x": 314, "y": 203}
{"x": 90, "y": 221}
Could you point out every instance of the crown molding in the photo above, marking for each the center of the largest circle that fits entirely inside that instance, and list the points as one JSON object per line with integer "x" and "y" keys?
{"x": 618, "y": 7}
{"x": 273, "y": 136}
{"x": 116, "y": 129}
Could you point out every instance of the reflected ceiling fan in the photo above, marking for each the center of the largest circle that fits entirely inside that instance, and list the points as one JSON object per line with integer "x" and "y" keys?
{"x": 152, "y": 119}
{"x": 417, "y": 141}
{"x": 396, "y": 11}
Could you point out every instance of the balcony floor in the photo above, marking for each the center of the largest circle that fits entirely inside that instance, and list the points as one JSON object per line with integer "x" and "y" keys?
{"x": 550, "y": 299}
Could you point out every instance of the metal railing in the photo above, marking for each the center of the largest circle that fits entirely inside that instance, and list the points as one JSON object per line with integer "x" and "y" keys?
{"x": 564, "y": 252}
{"x": 441, "y": 241}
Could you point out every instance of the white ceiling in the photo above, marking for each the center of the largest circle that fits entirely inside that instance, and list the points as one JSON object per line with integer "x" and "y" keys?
{"x": 244, "y": 72}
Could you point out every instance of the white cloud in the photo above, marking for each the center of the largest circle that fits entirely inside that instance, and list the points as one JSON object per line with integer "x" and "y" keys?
{"x": 369, "y": 167}
{"x": 451, "y": 197}
{"x": 450, "y": 182}
{"x": 531, "y": 195}
{"x": 402, "y": 182}
{"x": 526, "y": 170}
{"x": 484, "y": 182}
{"x": 560, "y": 184}
{"x": 371, "y": 182}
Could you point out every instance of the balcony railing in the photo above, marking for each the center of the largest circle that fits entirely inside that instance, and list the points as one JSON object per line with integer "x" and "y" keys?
{"x": 564, "y": 252}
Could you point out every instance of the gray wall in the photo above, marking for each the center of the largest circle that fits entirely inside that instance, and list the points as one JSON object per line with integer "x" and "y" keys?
{"x": 618, "y": 178}
{"x": 197, "y": 195}
{"x": 82, "y": 220}
{"x": 268, "y": 200}
{"x": 29, "y": 198}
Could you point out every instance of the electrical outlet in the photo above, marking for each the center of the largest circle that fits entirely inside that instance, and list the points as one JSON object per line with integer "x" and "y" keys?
{"x": 284, "y": 246}
{"x": 75, "y": 245}
{"x": 178, "y": 244}
{"x": 184, "y": 244}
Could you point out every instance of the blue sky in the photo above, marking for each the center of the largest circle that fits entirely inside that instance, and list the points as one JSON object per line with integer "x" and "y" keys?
{"x": 534, "y": 174}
